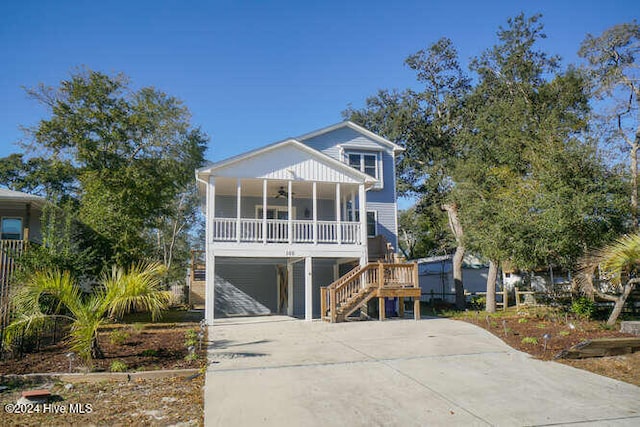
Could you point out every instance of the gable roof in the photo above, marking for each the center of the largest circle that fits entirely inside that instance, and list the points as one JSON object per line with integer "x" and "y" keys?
{"x": 355, "y": 127}
{"x": 288, "y": 144}
{"x": 18, "y": 196}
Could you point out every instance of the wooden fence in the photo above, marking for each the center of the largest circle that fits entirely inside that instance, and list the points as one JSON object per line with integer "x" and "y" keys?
{"x": 9, "y": 251}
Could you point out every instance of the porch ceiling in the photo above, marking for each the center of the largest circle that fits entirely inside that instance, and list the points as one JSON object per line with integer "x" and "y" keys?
{"x": 301, "y": 189}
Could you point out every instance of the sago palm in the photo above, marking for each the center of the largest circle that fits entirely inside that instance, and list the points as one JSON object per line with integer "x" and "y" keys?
{"x": 120, "y": 292}
{"x": 618, "y": 264}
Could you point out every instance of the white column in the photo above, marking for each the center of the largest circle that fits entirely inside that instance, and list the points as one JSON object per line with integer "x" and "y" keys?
{"x": 336, "y": 271}
{"x": 308, "y": 288}
{"x": 362, "y": 204}
{"x": 210, "y": 272}
{"x": 264, "y": 211}
{"x": 290, "y": 289}
{"x": 210, "y": 292}
{"x": 238, "y": 209}
{"x": 315, "y": 213}
{"x": 338, "y": 216}
{"x": 210, "y": 211}
{"x": 353, "y": 205}
{"x": 290, "y": 212}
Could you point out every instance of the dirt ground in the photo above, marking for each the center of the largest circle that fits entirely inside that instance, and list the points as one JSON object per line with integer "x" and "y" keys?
{"x": 141, "y": 346}
{"x": 525, "y": 330}
{"x": 157, "y": 402}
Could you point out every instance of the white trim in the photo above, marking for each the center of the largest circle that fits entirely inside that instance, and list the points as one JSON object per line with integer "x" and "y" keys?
{"x": 321, "y": 157}
{"x": 375, "y": 219}
{"x": 315, "y": 213}
{"x": 308, "y": 288}
{"x": 395, "y": 203}
{"x": 354, "y": 127}
{"x": 265, "y": 208}
{"x": 379, "y": 177}
{"x": 238, "y": 208}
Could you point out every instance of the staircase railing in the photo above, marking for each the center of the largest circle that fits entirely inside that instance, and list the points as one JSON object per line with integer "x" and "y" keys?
{"x": 361, "y": 281}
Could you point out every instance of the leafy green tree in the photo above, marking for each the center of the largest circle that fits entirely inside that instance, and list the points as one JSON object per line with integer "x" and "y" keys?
{"x": 50, "y": 294}
{"x": 425, "y": 123}
{"x": 612, "y": 63}
{"x": 38, "y": 175}
{"x": 532, "y": 187}
{"x": 122, "y": 155}
{"x": 421, "y": 235}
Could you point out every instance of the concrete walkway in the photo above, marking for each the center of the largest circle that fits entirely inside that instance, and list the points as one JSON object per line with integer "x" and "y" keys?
{"x": 284, "y": 372}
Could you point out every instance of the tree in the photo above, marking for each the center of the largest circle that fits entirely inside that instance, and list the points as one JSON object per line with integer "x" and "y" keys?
{"x": 617, "y": 265}
{"x": 51, "y": 294}
{"x": 423, "y": 234}
{"x": 615, "y": 75}
{"x": 124, "y": 156}
{"x": 532, "y": 187}
{"x": 425, "y": 123}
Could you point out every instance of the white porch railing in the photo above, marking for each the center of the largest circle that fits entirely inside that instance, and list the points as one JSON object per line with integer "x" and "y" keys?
{"x": 251, "y": 230}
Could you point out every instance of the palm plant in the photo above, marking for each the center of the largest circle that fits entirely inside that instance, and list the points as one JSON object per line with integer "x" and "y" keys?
{"x": 120, "y": 291}
{"x": 617, "y": 263}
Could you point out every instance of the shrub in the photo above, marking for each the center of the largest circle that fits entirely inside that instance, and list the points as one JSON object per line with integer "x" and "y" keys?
{"x": 191, "y": 357}
{"x": 149, "y": 353}
{"x": 118, "y": 366}
{"x": 190, "y": 338}
{"x": 564, "y": 333}
{"x": 583, "y": 307}
{"x": 529, "y": 340}
{"x": 523, "y": 320}
{"x": 478, "y": 302}
{"x": 118, "y": 337}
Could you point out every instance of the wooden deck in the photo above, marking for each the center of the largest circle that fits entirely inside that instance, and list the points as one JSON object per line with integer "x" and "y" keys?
{"x": 375, "y": 280}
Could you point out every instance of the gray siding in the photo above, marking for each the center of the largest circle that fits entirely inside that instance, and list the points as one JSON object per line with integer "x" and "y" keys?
{"x": 381, "y": 200}
{"x": 328, "y": 142}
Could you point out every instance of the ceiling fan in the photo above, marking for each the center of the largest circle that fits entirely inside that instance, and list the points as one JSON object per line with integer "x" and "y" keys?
{"x": 282, "y": 194}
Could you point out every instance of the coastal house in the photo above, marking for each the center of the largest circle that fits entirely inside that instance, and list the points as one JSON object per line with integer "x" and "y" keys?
{"x": 305, "y": 227}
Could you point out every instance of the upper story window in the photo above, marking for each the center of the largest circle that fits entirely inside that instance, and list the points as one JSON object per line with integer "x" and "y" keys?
{"x": 11, "y": 229}
{"x": 369, "y": 163}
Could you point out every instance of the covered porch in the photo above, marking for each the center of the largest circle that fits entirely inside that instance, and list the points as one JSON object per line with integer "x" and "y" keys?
{"x": 289, "y": 212}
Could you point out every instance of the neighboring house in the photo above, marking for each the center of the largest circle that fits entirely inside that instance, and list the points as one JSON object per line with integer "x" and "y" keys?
{"x": 19, "y": 223}
{"x": 436, "y": 277}
{"x": 285, "y": 220}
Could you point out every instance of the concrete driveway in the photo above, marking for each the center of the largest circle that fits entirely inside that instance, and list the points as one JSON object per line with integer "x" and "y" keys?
{"x": 284, "y": 372}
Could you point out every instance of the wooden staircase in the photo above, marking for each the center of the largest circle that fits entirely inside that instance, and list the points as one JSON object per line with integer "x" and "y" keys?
{"x": 375, "y": 280}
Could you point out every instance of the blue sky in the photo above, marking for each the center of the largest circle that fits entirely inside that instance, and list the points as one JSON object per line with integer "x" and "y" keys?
{"x": 254, "y": 72}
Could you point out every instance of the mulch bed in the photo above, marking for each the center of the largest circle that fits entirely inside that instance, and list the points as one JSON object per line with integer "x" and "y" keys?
{"x": 150, "y": 347}
{"x": 525, "y": 330}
